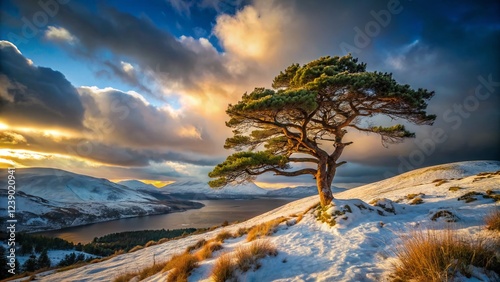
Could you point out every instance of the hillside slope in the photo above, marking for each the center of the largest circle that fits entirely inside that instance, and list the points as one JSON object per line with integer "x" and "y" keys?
{"x": 360, "y": 247}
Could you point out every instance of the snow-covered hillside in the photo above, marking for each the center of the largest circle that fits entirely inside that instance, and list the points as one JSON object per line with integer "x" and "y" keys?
{"x": 360, "y": 247}
{"x": 48, "y": 199}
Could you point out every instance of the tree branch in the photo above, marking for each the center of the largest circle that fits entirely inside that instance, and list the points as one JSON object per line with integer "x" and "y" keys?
{"x": 303, "y": 160}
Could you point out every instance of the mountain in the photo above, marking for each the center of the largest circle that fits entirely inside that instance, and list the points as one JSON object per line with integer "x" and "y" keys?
{"x": 138, "y": 185}
{"x": 298, "y": 192}
{"x": 67, "y": 187}
{"x": 370, "y": 223}
{"x": 201, "y": 190}
{"x": 48, "y": 199}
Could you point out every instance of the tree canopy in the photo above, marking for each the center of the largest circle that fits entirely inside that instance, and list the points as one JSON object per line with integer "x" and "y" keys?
{"x": 306, "y": 115}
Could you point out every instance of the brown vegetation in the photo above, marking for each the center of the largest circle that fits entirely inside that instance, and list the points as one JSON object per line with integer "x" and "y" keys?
{"x": 438, "y": 255}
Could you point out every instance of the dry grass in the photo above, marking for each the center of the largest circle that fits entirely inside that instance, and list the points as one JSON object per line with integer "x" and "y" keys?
{"x": 197, "y": 245}
{"x": 264, "y": 229}
{"x": 438, "y": 255}
{"x": 247, "y": 256}
{"x": 207, "y": 250}
{"x": 439, "y": 182}
{"x": 409, "y": 197}
{"x": 243, "y": 259}
{"x": 163, "y": 240}
{"x": 299, "y": 218}
{"x": 469, "y": 196}
{"x": 223, "y": 235}
{"x": 417, "y": 201}
{"x": 224, "y": 269}
{"x": 136, "y": 248}
{"x": 241, "y": 231}
{"x": 180, "y": 267}
{"x": 143, "y": 274}
{"x": 151, "y": 243}
{"x": 150, "y": 271}
{"x": 454, "y": 188}
{"x": 125, "y": 277}
{"x": 492, "y": 220}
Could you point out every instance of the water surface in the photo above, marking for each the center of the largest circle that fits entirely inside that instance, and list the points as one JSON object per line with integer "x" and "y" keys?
{"x": 213, "y": 213}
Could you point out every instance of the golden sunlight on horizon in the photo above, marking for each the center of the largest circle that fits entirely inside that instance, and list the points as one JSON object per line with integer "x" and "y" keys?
{"x": 156, "y": 183}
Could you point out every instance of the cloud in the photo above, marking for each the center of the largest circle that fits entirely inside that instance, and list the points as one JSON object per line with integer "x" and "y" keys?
{"x": 42, "y": 112}
{"x": 36, "y": 95}
{"x": 59, "y": 34}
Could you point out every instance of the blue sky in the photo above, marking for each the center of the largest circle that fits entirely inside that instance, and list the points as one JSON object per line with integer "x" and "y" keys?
{"x": 138, "y": 89}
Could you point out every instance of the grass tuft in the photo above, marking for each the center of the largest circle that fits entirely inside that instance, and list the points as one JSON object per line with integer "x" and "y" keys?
{"x": 207, "y": 250}
{"x": 151, "y": 243}
{"x": 242, "y": 259}
{"x": 224, "y": 269}
{"x": 247, "y": 256}
{"x": 197, "y": 245}
{"x": 136, "y": 248}
{"x": 223, "y": 235}
{"x": 417, "y": 201}
{"x": 439, "y": 255}
{"x": 180, "y": 267}
{"x": 492, "y": 220}
{"x": 469, "y": 196}
{"x": 143, "y": 274}
{"x": 454, "y": 188}
{"x": 241, "y": 231}
{"x": 439, "y": 182}
{"x": 264, "y": 229}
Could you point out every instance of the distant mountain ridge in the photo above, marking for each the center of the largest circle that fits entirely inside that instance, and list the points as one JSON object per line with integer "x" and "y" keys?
{"x": 199, "y": 190}
{"x": 138, "y": 185}
{"x": 70, "y": 187}
{"x": 48, "y": 199}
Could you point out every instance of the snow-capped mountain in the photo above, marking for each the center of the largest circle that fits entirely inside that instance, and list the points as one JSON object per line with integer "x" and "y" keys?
{"x": 298, "y": 192}
{"x": 68, "y": 187}
{"x": 48, "y": 199}
{"x": 371, "y": 221}
{"x": 200, "y": 189}
{"x": 139, "y": 185}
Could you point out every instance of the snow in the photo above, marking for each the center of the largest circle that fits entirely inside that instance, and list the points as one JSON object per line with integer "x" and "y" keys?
{"x": 183, "y": 187}
{"x": 360, "y": 247}
{"x": 70, "y": 187}
{"x": 138, "y": 185}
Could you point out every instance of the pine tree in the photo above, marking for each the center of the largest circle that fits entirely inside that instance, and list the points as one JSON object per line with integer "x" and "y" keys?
{"x": 3, "y": 263}
{"x": 43, "y": 260}
{"x": 30, "y": 264}
{"x": 305, "y": 118}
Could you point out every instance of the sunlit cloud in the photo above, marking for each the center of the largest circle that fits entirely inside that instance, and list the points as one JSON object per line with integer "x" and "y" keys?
{"x": 59, "y": 34}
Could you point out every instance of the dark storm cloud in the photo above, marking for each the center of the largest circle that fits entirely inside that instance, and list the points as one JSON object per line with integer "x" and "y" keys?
{"x": 31, "y": 94}
{"x": 128, "y": 76}
{"x": 127, "y": 36}
{"x": 450, "y": 47}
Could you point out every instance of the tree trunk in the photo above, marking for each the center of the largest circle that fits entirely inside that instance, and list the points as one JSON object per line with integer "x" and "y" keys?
{"x": 324, "y": 190}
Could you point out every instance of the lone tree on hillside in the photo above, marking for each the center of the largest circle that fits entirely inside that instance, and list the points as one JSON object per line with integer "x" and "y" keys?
{"x": 306, "y": 117}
